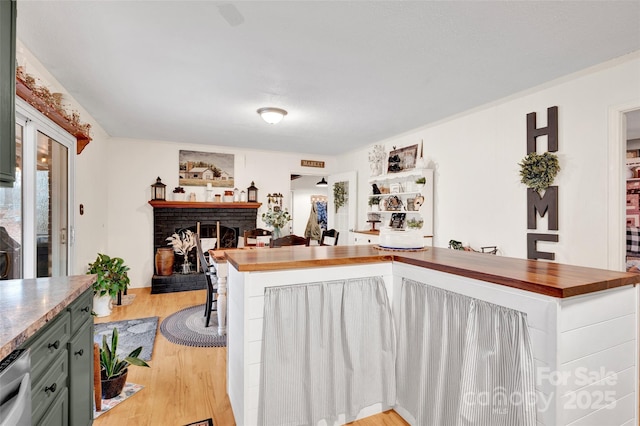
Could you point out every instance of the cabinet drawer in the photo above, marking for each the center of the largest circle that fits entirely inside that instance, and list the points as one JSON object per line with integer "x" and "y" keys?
{"x": 48, "y": 343}
{"x": 58, "y": 413}
{"x": 48, "y": 387}
{"x": 80, "y": 310}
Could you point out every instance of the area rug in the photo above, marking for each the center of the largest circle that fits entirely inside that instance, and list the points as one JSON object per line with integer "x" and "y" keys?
{"x": 186, "y": 327}
{"x": 128, "y": 391}
{"x": 131, "y": 334}
{"x": 208, "y": 422}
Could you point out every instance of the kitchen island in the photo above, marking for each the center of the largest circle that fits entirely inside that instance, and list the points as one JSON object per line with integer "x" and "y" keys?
{"x": 52, "y": 318}
{"x": 579, "y": 319}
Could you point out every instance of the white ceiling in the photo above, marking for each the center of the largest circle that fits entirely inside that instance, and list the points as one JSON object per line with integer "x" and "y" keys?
{"x": 349, "y": 73}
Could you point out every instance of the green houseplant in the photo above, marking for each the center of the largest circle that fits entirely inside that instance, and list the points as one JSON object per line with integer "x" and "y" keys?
{"x": 111, "y": 278}
{"x": 113, "y": 369}
{"x": 374, "y": 203}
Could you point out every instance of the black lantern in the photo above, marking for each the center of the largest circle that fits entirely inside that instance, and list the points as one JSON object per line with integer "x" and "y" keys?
{"x": 252, "y": 193}
{"x": 158, "y": 190}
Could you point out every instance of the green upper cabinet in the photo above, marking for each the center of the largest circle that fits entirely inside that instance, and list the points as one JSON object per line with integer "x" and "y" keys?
{"x": 7, "y": 92}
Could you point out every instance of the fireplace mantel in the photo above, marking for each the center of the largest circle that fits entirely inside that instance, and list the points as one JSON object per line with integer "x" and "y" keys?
{"x": 202, "y": 205}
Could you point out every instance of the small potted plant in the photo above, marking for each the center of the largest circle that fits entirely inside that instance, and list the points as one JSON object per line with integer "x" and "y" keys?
{"x": 374, "y": 203}
{"x": 113, "y": 370}
{"x": 179, "y": 194}
{"x": 420, "y": 182}
{"x": 414, "y": 223}
{"x": 111, "y": 278}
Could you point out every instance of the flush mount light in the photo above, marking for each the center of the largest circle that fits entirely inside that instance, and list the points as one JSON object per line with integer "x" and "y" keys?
{"x": 272, "y": 115}
{"x": 322, "y": 184}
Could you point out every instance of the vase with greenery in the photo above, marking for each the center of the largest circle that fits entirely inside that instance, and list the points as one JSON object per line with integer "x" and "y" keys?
{"x": 183, "y": 242}
{"x": 111, "y": 279}
{"x": 276, "y": 218}
{"x": 113, "y": 369}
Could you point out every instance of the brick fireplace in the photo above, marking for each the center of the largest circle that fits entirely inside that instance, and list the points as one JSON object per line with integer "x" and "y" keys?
{"x": 171, "y": 216}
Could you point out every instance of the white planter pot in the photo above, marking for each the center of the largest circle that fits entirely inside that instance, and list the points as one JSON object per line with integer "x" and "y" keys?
{"x": 102, "y": 305}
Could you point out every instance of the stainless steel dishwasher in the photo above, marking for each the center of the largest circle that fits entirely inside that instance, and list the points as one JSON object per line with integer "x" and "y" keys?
{"x": 15, "y": 389}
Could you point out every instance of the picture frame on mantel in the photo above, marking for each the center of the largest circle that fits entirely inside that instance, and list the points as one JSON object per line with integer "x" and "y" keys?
{"x": 402, "y": 159}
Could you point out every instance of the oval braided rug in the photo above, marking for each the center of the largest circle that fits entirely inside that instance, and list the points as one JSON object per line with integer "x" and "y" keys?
{"x": 186, "y": 327}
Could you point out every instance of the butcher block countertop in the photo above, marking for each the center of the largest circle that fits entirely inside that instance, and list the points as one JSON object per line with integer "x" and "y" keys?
{"x": 27, "y": 305}
{"x": 551, "y": 279}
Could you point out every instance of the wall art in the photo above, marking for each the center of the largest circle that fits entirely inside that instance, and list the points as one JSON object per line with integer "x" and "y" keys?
{"x": 198, "y": 168}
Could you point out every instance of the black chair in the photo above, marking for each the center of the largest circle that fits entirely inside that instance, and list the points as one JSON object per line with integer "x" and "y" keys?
{"x": 289, "y": 240}
{"x": 331, "y": 233}
{"x": 212, "y": 290}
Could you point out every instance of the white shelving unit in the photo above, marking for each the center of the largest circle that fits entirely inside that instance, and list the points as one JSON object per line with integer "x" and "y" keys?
{"x": 407, "y": 190}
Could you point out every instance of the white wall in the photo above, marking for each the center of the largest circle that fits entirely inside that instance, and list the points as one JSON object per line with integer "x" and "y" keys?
{"x": 133, "y": 166}
{"x": 478, "y": 195}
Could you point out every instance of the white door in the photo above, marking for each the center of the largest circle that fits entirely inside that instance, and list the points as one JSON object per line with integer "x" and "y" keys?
{"x": 344, "y": 217}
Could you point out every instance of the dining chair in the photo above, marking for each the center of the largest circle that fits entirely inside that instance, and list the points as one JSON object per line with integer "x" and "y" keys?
{"x": 212, "y": 290}
{"x": 331, "y": 233}
{"x": 289, "y": 240}
{"x": 253, "y": 234}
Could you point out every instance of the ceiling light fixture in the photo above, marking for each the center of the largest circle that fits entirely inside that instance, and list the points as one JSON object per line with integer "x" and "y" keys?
{"x": 272, "y": 115}
{"x": 322, "y": 184}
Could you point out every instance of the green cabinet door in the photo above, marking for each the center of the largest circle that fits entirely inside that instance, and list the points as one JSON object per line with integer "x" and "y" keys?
{"x": 81, "y": 376}
{"x": 7, "y": 92}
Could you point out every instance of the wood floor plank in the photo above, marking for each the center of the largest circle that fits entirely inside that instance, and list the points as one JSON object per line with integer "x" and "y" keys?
{"x": 184, "y": 384}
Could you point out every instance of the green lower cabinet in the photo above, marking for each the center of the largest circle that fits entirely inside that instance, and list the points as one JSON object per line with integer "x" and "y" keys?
{"x": 81, "y": 376}
{"x": 58, "y": 412}
{"x": 62, "y": 367}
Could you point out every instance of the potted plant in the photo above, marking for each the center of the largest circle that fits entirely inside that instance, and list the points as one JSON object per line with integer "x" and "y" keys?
{"x": 374, "y": 203}
{"x": 420, "y": 182}
{"x": 178, "y": 193}
{"x": 111, "y": 278}
{"x": 113, "y": 370}
{"x": 414, "y": 223}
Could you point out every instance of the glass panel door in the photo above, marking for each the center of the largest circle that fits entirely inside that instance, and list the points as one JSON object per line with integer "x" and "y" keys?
{"x": 11, "y": 219}
{"x": 52, "y": 200}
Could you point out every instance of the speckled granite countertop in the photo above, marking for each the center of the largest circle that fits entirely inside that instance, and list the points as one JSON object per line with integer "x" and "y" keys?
{"x": 27, "y": 305}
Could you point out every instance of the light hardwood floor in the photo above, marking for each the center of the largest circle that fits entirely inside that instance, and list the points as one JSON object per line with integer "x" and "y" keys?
{"x": 184, "y": 384}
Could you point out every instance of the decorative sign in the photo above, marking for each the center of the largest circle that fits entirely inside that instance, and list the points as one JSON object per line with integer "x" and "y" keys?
{"x": 312, "y": 163}
{"x": 537, "y": 204}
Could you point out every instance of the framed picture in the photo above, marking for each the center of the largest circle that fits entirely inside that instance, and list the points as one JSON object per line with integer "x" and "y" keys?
{"x": 201, "y": 168}
{"x": 393, "y": 203}
{"x": 402, "y": 159}
{"x": 397, "y": 220}
{"x": 395, "y": 188}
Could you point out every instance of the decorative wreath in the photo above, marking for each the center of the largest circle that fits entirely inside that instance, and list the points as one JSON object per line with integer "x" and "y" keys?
{"x": 339, "y": 194}
{"x": 538, "y": 170}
